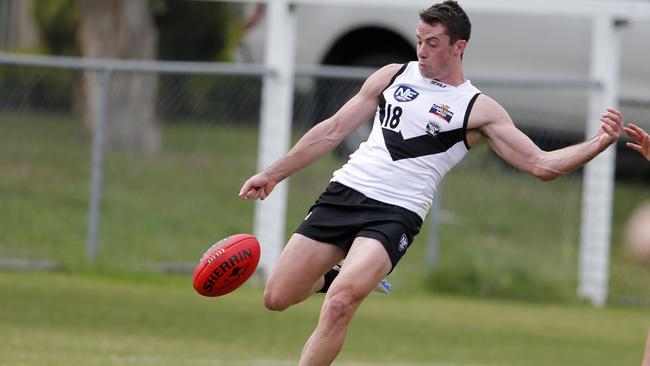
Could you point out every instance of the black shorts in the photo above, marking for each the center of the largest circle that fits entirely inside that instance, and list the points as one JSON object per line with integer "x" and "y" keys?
{"x": 341, "y": 214}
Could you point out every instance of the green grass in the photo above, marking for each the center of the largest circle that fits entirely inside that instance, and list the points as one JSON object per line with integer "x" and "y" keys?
{"x": 76, "y": 319}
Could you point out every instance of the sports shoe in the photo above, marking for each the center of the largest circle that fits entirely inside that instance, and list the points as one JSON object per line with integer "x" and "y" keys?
{"x": 383, "y": 287}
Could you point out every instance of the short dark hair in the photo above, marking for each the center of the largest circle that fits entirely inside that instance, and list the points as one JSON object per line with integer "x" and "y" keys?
{"x": 452, "y": 16}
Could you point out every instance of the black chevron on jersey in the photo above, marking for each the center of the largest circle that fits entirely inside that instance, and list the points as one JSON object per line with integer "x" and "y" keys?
{"x": 401, "y": 148}
{"x": 401, "y": 163}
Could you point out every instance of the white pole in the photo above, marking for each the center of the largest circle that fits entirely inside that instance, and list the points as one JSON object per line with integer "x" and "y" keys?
{"x": 598, "y": 183}
{"x": 275, "y": 128}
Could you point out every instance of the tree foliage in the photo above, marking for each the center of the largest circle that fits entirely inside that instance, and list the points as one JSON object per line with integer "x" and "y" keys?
{"x": 58, "y": 21}
{"x": 196, "y": 30}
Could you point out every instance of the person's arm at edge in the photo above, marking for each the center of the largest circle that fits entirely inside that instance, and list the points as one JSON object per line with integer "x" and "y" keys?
{"x": 490, "y": 120}
{"x": 323, "y": 137}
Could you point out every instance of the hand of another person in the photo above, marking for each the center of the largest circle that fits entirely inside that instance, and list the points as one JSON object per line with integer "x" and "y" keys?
{"x": 641, "y": 139}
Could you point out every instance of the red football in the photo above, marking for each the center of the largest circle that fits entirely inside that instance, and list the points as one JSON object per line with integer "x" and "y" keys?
{"x": 227, "y": 265}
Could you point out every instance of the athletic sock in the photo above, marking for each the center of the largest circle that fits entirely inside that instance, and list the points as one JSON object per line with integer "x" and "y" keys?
{"x": 329, "y": 278}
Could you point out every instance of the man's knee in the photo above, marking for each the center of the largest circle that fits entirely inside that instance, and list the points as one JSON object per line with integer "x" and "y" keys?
{"x": 274, "y": 300}
{"x": 340, "y": 306}
{"x": 336, "y": 310}
{"x": 280, "y": 293}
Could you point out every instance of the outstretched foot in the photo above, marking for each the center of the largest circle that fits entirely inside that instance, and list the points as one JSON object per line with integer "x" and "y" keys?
{"x": 383, "y": 287}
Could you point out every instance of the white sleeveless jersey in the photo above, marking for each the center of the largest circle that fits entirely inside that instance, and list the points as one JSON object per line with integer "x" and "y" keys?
{"x": 418, "y": 135}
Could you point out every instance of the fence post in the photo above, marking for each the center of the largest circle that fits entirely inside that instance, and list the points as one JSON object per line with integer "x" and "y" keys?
{"x": 598, "y": 182}
{"x": 100, "y": 118}
{"x": 275, "y": 128}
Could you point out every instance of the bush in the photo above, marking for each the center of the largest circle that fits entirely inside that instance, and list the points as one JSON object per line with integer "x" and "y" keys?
{"x": 213, "y": 98}
{"x": 58, "y": 21}
{"x": 494, "y": 276}
{"x": 197, "y": 31}
{"x": 37, "y": 88}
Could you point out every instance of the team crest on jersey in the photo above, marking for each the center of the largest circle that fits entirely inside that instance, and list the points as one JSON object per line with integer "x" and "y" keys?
{"x": 432, "y": 128}
{"x": 405, "y": 94}
{"x": 442, "y": 111}
{"x": 403, "y": 243}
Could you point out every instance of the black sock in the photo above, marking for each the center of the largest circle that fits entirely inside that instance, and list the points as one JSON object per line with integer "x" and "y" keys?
{"x": 329, "y": 278}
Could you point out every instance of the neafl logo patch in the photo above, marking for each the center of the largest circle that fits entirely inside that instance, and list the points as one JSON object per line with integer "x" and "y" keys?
{"x": 405, "y": 94}
{"x": 442, "y": 111}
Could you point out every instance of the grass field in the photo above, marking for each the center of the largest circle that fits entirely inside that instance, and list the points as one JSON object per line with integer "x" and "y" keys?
{"x": 76, "y": 319}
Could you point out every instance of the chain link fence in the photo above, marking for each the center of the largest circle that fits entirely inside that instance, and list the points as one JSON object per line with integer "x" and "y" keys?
{"x": 159, "y": 206}
{"x": 498, "y": 232}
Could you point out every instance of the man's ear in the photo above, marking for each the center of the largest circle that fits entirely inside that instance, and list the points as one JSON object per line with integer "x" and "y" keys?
{"x": 459, "y": 47}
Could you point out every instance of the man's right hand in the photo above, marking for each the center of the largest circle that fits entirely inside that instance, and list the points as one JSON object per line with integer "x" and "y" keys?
{"x": 611, "y": 126}
{"x": 258, "y": 186}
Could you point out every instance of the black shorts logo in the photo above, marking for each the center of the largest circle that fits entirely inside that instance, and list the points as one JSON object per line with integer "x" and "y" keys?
{"x": 403, "y": 243}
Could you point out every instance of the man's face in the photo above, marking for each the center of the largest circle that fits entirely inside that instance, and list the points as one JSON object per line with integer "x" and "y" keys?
{"x": 435, "y": 54}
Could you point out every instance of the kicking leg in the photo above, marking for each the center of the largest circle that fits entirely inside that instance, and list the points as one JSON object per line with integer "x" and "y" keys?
{"x": 365, "y": 265}
{"x": 299, "y": 271}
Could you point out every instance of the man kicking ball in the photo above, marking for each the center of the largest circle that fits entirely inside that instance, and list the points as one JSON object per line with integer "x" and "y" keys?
{"x": 427, "y": 116}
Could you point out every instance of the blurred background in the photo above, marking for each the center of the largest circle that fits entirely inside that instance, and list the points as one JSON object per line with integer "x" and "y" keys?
{"x": 181, "y": 137}
{"x": 180, "y": 131}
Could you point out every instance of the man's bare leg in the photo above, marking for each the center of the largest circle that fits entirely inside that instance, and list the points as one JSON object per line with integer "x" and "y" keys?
{"x": 366, "y": 264}
{"x": 299, "y": 271}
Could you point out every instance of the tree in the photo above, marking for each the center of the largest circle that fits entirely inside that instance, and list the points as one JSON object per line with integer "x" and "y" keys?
{"x": 122, "y": 29}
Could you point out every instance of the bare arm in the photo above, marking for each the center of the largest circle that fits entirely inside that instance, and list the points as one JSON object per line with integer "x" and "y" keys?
{"x": 323, "y": 137}
{"x": 493, "y": 123}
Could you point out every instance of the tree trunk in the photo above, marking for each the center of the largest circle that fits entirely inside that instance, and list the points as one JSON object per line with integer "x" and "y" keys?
{"x": 26, "y": 32}
{"x": 122, "y": 29}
